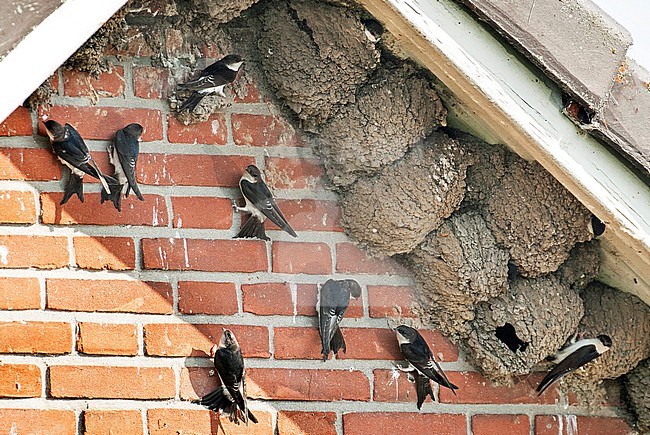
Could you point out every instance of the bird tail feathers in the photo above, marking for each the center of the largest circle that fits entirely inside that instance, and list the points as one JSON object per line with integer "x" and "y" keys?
{"x": 191, "y": 102}
{"x": 253, "y": 228}
{"x": 74, "y": 186}
{"x": 114, "y": 194}
{"x": 547, "y": 382}
{"x": 423, "y": 389}
{"x": 338, "y": 342}
{"x": 222, "y": 402}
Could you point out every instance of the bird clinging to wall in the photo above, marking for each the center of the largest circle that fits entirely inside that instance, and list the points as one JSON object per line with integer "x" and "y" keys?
{"x": 421, "y": 363}
{"x": 334, "y": 299}
{"x": 123, "y": 154}
{"x": 72, "y": 151}
{"x": 573, "y": 357}
{"x": 229, "y": 398}
{"x": 260, "y": 204}
{"x": 211, "y": 80}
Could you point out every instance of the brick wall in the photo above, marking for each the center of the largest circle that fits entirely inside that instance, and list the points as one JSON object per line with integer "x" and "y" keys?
{"x": 106, "y": 318}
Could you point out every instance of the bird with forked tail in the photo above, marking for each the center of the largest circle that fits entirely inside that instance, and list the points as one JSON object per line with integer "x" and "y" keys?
{"x": 211, "y": 80}
{"x": 334, "y": 298}
{"x": 72, "y": 151}
{"x": 123, "y": 154}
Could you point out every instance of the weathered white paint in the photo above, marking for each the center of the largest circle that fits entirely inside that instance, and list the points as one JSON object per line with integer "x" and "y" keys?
{"x": 503, "y": 99}
{"x": 46, "y": 47}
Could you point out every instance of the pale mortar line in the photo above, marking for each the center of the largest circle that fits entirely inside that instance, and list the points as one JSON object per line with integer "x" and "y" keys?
{"x": 338, "y": 423}
{"x": 129, "y": 87}
{"x": 343, "y": 407}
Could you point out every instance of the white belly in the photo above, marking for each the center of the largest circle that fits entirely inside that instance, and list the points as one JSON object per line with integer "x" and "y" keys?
{"x": 78, "y": 172}
{"x": 119, "y": 171}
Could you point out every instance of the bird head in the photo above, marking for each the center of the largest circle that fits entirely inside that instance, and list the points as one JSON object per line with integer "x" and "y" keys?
{"x": 606, "y": 340}
{"x": 134, "y": 130}
{"x": 406, "y": 334}
{"x": 373, "y": 29}
{"x": 254, "y": 172}
{"x": 232, "y": 61}
{"x": 228, "y": 339}
{"x": 353, "y": 287}
{"x": 54, "y": 130}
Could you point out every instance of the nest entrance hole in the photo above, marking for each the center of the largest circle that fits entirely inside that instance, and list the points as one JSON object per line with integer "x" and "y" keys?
{"x": 508, "y": 336}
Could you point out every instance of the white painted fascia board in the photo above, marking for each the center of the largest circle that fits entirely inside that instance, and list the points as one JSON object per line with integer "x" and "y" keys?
{"x": 47, "y": 46}
{"x": 507, "y": 101}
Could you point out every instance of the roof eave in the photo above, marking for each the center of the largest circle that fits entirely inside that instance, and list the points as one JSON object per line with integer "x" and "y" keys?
{"x": 509, "y": 103}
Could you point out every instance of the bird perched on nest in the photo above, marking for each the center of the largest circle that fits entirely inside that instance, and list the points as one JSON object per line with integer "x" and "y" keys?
{"x": 211, "y": 80}
{"x": 422, "y": 365}
{"x": 260, "y": 204}
{"x": 72, "y": 151}
{"x": 334, "y": 298}
{"x": 229, "y": 398}
{"x": 574, "y": 356}
{"x": 123, "y": 154}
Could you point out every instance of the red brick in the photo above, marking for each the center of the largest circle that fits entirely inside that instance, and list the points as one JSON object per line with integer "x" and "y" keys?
{"x": 263, "y": 131}
{"x": 150, "y": 82}
{"x": 295, "y": 257}
{"x": 205, "y": 255}
{"x": 20, "y": 294}
{"x": 214, "y": 131}
{"x": 306, "y": 423}
{"x": 81, "y": 84}
{"x": 267, "y": 299}
{"x": 37, "y": 422}
{"x": 474, "y": 388}
{"x": 390, "y": 301}
{"x": 202, "y": 212}
{"x": 20, "y": 380}
{"x": 297, "y": 343}
{"x": 351, "y": 259}
{"x": 252, "y": 94}
{"x": 389, "y": 389}
{"x": 19, "y": 123}
{"x": 151, "y": 212}
{"x": 35, "y": 337}
{"x": 500, "y": 425}
{"x": 293, "y": 173}
{"x": 107, "y": 339}
{"x": 103, "y": 422}
{"x": 102, "y": 382}
{"x": 114, "y": 253}
{"x": 109, "y": 295}
{"x": 32, "y": 164}
{"x": 196, "y": 297}
{"x": 307, "y": 385}
{"x": 102, "y": 122}
{"x": 310, "y": 215}
{"x": 551, "y": 425}
{"x": 196, "y": 382}
{"x": 17, "y": 207}
{"x": 182, "y": 339}
{"x": 191, "y": 169}
{"x": 42, "y": 252}
{"x": 405, "y": 423}
{"x": 169, "y": 421}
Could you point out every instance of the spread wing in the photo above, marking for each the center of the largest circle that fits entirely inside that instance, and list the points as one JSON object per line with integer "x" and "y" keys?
{"x": 572, "y": 362}
{"x": 262, "y": 198}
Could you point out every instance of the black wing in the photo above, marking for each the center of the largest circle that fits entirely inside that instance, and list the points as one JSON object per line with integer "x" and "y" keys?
{"x": 572, "y": 362}
{"x": 74, "y": 151}
{"x": 88, "y": 166}
{"x": 422, "y": 388}
{"x": 262, "y": 198}
{"x": 205, "y": 82}
{"x": 128, "y": 149}
{"x": 420, "y": 356}
{"x": 334, "y": 301}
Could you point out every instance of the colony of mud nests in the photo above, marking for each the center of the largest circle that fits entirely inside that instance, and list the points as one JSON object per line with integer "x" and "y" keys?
{"x": 493, "y": 241}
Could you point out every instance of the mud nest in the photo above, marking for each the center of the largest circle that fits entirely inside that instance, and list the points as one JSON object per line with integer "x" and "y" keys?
{"x": 540, "y": 314}
{"x": 637, "y": 389}
{"x": 457, "y": 266}
{"x": 315, "y": 55}
{"x": 222, "y": 11}
{"x": 394, "y": 211}
{"x": 534, "y": 216}
{"x": 626, "y": 319}
{"x": 582, "y": 267}
{"x": 393, "y": 111}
